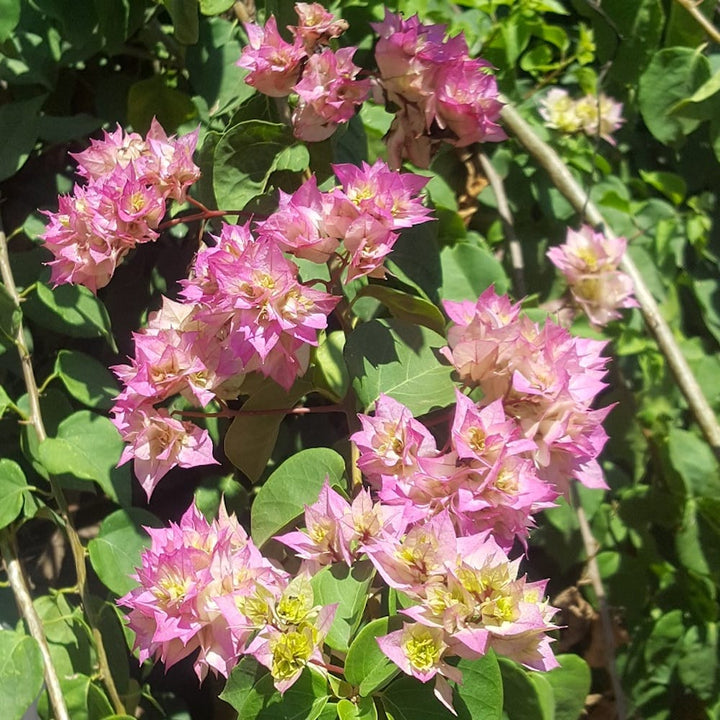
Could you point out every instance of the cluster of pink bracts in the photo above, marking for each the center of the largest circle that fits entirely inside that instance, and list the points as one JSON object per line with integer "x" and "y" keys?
{"x": 437, "y": 91}
{"x": 589, "y": 261}
{"x": 436, "y": 523}
{"x": 129, "y": 181}
{"x": 246, "y": 310}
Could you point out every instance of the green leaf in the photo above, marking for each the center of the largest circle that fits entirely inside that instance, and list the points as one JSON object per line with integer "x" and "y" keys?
{"x": 409, "y": 699}
{"x": 671, "y": 185}
{"x": 366, "y": 665}
{"x": 362, "y": 708}
{"x": 468, "y": 270}
{"x": 86, "y": 379}
{"x": 245, "y": 157}
{"x": 115, "y": 551}
{"x": 5, "y": 401}
{"x": 184, "y": 14}
{"x": 673, "y": 74}
{"x": 522, "y": 700}
{"x": 215, "y": 7}
{"x": 571, "y": 685}
{"x": 695, "y": 463}
{"x": 69, "y": 310}
{"x": 21, "y": 673}
{"x": 698, "y": 664}
{"x": 9, "y": 17}
{"x": 88, "y": 447}
{"x": 296, "y": 483}
{"x": 331, "y": 373}
{"x": 240, "y": 683}
{"x": 84, "y": 700}
{"x": 13, "y": 488}
{"x": 305, "y": 700}
{"x": 250, "y": 439}
{"x": 152, "y": 98}
{"x": 400, "y": 360}
{"x": 18, "y": 130}
{"x": 408, "y": 308}
{"x": 415, "y": 259}
{"x": 481, "y": 692}
{"x": 348, "y": 587}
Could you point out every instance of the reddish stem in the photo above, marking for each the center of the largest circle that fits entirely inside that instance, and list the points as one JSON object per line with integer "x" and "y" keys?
{"x": 329, "y": 666}
{"x": 264, "y": 411}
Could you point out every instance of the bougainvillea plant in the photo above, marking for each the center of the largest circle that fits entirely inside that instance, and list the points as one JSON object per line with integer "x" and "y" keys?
{"x": 348, "y": 468}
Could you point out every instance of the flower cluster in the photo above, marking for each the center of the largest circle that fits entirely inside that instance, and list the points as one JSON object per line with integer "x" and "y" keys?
{"x": 485, "y": 482}
{"x": 546, "y": 378}
{"x": 245, "y": 309}
{"x": 469, "y": 600}
{"x": 357, "y": 222}
{"x": 438, "y": 93}
{"x": 206, "y": 588}
{"x": 595, "y": 115}
{"x": 589, "y": 261}
{"x": 324, "y": 80}
{"x": 129, "y": 181}
{"x": 467, "y": 592}
{"x": 441, "y": 93}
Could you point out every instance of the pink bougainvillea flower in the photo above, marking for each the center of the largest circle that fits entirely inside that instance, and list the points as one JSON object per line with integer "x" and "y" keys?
{"x": 466, "y": 102}
{"x": 159, "y": 442}
{"x": 392, "y": 442}
{"x": 391, "y": 197}
{"x": 325, "y": 539}
{"x": 589, "y": 261}
{"x": 329, "y": 93}
{"x": 316, "y": 25}
{"x": 418, "y": 650}
{"x": 187, "y": 570}
{"x": 274, "y": 64}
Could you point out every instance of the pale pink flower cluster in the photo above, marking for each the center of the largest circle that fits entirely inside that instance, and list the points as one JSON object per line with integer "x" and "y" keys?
{"x": 469, "y": 599}
{"x": 468, "y": 596}
{"x": 129, "y": 181}
{"x": 441, "y": 93}
{"x": 357, "y": 222}
{"x": 206, "y": 588}
{"x": 485, "y": 482}
{"x": 595, "y": 115}
{"x": 324, "y": 80}
{"x": 546, "y": 378}
{"x": 245, "y": 311}
{"x": 589, "y": 261}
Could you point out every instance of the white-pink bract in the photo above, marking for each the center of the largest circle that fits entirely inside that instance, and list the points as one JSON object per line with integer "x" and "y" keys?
{"x": 158, "y": 442}
{"x": 469, "y": 600}
{"x": 441, "y": 93}
{"x": 274, "y": 64}
{"x": 546, "y": 378}
{"x": 589, "y": 261}
{"x": 316, "y": 25}
{"x": 188, "y": 567}
{"x": 595, "y": 115}
{"x": 329, "y": 93}
{"x": 129, "y": 182}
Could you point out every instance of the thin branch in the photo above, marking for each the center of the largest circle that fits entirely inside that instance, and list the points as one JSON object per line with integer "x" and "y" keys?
{"x": 506, "y": 217}
{"x": 578, "y": 198}
{"x": 16, "y": 578}
{"x": 692, "y": 7}
{"x": 35, "y": 419}
{"x": 227, "y": 413}
{"x": 591, "y": 549}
